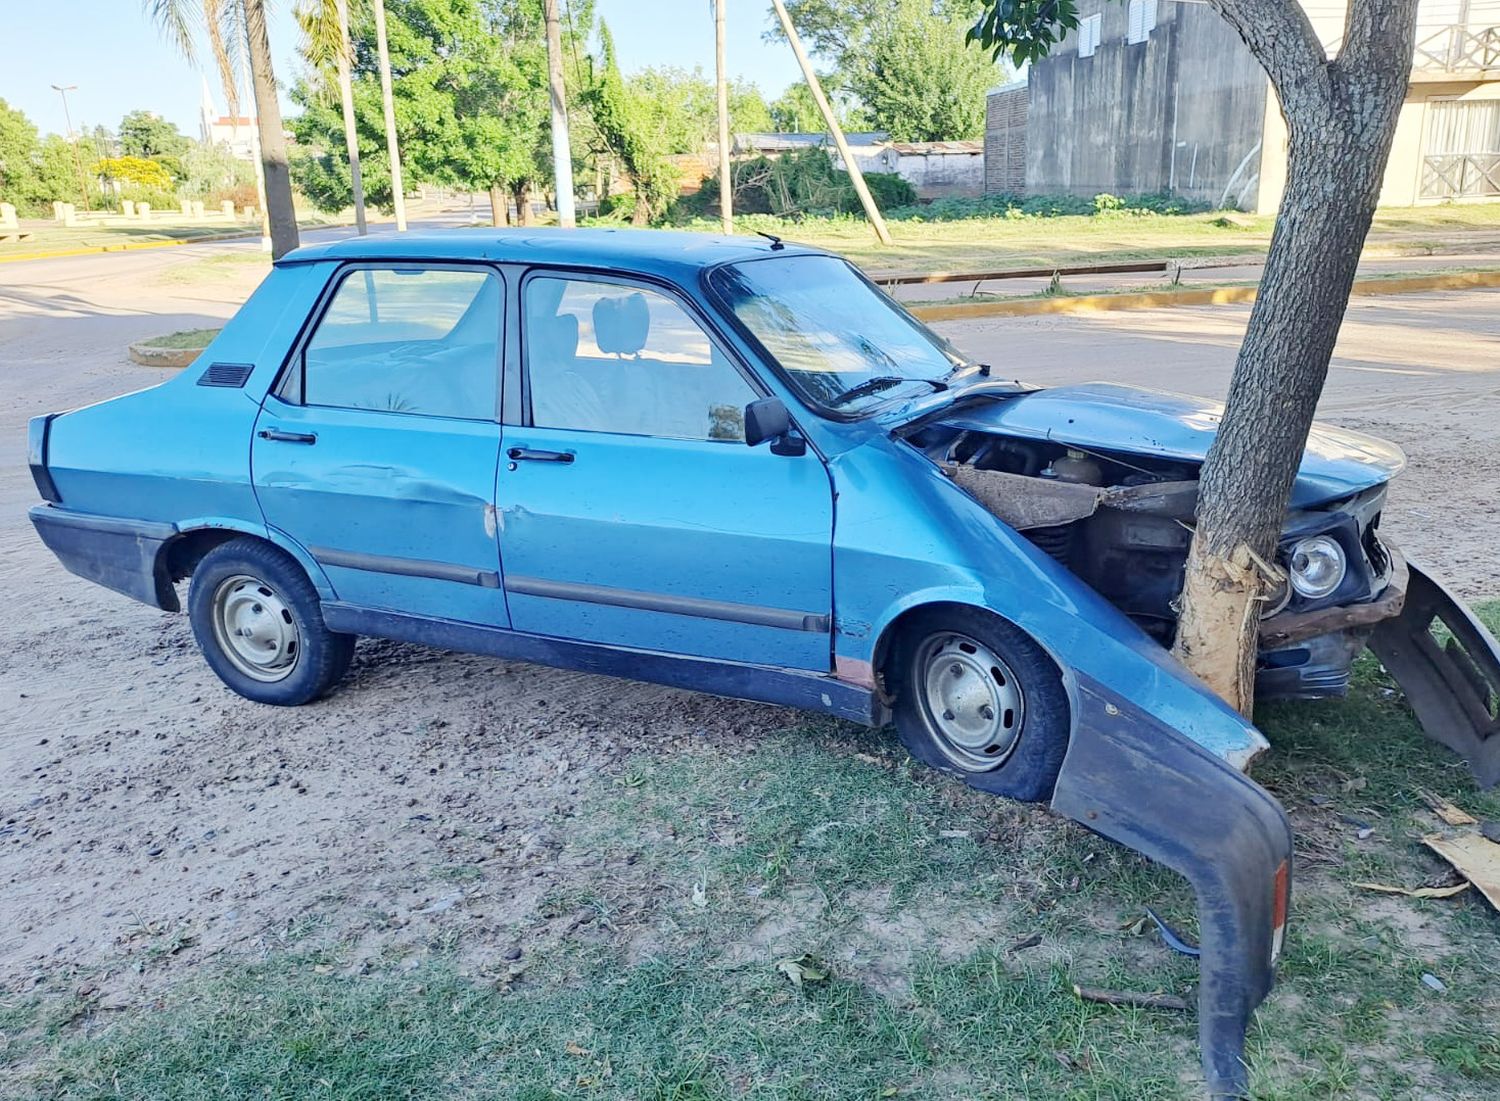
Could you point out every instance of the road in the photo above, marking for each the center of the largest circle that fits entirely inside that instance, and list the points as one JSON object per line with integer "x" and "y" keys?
{"x": 136, "y": 794}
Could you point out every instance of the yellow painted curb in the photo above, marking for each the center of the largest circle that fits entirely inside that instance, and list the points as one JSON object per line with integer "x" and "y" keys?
{"x": 1191, "y": 296}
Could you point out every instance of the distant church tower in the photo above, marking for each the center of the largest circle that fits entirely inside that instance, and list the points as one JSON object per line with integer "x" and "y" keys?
{"x": 206, "y": 116}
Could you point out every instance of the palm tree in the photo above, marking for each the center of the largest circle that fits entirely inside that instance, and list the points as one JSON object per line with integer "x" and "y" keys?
{"x": 325, "y": 38}
{"x": 228, "y": 23}
{"x": 388, "y": 101}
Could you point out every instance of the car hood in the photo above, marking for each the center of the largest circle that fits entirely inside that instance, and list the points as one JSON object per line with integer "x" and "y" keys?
{"x": 1107, "y": 417}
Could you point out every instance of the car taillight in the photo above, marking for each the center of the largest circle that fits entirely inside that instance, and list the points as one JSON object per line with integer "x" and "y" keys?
{"x": 37, "y": 431}
{"x": 1280, "y": 902}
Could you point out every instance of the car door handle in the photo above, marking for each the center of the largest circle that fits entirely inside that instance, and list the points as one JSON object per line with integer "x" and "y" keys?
{"x": 532, "y": 454}
{"x": 288, "y": 437}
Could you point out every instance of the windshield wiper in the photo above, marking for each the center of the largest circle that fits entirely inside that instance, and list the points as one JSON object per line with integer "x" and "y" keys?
{"x": 882, "y": 382}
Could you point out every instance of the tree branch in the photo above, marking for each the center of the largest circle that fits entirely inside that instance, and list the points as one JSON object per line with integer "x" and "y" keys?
{"x": 1282, "y": 39}
{"x": 1379, "y": 32}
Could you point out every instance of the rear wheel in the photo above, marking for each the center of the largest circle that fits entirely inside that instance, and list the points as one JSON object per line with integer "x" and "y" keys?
{"x": 976, "y": 697}
{"x": 259, "y": 623}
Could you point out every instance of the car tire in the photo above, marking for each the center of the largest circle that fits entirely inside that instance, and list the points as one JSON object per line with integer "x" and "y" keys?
{"x": 976, "y": 697}
{"x": 259, "y": 623}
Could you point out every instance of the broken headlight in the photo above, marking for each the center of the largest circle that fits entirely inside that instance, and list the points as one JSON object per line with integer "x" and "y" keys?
{"x": 1317, "y": 566}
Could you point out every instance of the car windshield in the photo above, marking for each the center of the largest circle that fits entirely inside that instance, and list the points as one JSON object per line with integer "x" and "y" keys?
{"x": 845, "y": 346}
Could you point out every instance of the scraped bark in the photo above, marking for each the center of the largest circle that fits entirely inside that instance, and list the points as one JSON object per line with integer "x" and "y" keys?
{"x": 1341, "y": 116}
{"x": 499, "y": 206}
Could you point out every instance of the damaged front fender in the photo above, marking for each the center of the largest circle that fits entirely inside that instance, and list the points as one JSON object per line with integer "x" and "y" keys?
{"x": 1137, "y": 781}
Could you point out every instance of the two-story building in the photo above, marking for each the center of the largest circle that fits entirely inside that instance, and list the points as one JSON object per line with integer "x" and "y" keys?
{"x": 1161, "y": 95}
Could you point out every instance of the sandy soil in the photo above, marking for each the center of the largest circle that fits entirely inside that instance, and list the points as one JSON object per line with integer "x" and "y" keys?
{"x": 149, "y": 820}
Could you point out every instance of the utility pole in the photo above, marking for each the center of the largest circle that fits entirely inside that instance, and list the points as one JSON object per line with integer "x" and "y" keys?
{"x": 726, "y": 174}
{"x": 562, "y": 150}
{"x": 872, "y": 212}
{"x": 398, "y": 196}
{"x": 83, "y": 187}
{"x": 351, "y": 135}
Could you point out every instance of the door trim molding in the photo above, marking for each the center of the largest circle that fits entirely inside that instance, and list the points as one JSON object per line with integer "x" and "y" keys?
{"x": 752, "y": 614}
{"x": 406, "y": 567}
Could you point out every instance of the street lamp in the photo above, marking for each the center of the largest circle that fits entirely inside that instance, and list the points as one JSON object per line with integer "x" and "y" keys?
{"x": 63, "y": 90}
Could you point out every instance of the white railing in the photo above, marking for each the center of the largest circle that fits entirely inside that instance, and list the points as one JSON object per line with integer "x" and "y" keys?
{"x": 1456, "y": 49}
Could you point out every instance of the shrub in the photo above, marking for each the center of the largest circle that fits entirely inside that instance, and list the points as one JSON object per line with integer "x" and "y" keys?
{"x": 795, "y": 184}
{"x": 135, "y": 170}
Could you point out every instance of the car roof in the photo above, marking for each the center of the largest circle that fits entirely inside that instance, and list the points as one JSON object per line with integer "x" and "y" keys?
{"x": 665, "y": 252}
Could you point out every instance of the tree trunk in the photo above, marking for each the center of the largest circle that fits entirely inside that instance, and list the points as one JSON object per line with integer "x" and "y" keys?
{"x": 388, "y": 102}
{"x": 351, "y": 132}
{"x": 499, "y": 206}
{"x": 524, "y": 216}
{"x": 1341, "y": 122}
{"x": 562, "y": 149}
{"x": 641, "y": 215}
{"x": 721, "y": 78}
{"x": 280, "y": 212}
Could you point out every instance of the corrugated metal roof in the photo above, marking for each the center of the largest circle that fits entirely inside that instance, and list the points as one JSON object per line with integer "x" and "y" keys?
{"x": 923, "y": 148}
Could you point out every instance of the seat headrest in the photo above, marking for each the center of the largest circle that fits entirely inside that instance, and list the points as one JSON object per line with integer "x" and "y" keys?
{"x": 621, "y": 325}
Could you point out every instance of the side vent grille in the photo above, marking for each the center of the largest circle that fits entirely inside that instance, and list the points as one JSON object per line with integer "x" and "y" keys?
{"x": 226, "y": 374}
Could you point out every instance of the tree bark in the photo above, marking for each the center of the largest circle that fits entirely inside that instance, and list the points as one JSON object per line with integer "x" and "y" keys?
{"x": 499, "y": 206}
{"x": 281, "y": 214}
{"x": 641, "y": 215}
{"x": 524, "y": 216}
{"x": 351, "y": 131}
{"x": 1341, "y": 117}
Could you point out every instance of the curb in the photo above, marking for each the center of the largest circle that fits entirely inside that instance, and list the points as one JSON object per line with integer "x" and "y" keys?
{"x": 1195, "y": 296}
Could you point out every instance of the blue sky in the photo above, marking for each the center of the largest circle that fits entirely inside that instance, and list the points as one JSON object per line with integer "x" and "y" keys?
{"x": 120, "y": 62}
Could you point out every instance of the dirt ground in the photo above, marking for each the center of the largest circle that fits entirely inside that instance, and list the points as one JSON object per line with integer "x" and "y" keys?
{"x": 149, "y": 820}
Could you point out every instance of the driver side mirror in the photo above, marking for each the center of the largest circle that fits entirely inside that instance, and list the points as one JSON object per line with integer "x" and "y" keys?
{"x": 767, "y": 419}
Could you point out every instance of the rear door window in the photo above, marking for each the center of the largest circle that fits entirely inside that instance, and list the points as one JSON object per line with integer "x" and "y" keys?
{"x": 424, "y": 341}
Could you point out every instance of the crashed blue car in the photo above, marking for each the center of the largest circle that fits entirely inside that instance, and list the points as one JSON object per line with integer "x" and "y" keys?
{"x": 734, "y": 465}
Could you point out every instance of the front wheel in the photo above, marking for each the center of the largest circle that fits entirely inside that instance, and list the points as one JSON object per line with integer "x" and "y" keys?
{"x": 976, "y": 697}
{"x": 258, "y": 621}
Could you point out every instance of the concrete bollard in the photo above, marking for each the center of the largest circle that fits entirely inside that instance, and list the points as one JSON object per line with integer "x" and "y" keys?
{"x": 69, "y": 214}
{"x": 196, "y": 208}
{"x": 144, "y": 211}
{"x": 187, "y": 207}
{"x": 7, "y": 216}
{"x": 127, "y": 207}
{"x": 226, "y": 208}
{"x": 57, "y": 209}
{"x": 249, "y": 214}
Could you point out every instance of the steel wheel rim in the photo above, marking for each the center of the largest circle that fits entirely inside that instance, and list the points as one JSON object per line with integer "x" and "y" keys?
{"x": 255, "y": 629}
{"x": 971, "y": 701}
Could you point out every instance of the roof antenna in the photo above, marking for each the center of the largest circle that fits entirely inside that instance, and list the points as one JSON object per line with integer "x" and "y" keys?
{"x": 775, "y": 240}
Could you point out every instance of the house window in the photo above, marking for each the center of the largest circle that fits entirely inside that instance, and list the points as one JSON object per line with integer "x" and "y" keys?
{"x": 1088, "y": 34}
{"x": 1142, "y": 20}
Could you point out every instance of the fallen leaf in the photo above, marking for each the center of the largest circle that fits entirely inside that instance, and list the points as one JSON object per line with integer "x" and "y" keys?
{"x": 802, "y": 969}
{"x": 1357, "y": 783}
{"x": 953, "y": 835}
{"x": 573, "y": 1049}
{"x": 1415, "y": 892}
{"x": 700, "y": 894}
{"x": 1432, "y": 982}
{"x": 1446, "y": 810}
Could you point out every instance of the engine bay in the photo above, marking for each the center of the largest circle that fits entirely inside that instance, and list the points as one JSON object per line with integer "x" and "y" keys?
{"x": 1121, "y": 523}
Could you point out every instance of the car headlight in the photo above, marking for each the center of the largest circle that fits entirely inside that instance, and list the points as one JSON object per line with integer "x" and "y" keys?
{"x": 1318, "y": 566}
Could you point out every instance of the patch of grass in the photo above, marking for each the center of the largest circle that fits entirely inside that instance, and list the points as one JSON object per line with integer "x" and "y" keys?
{"x": 184, "y": 338}
{"x": 218, "y": 268}
{"x": 697, "y": 875}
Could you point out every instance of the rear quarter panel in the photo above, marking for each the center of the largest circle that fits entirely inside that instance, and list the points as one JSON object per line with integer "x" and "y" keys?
{"x": 179, "y": 452}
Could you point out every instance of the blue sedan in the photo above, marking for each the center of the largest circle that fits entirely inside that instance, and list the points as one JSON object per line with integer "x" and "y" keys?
{"x": 734, "y": 465}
